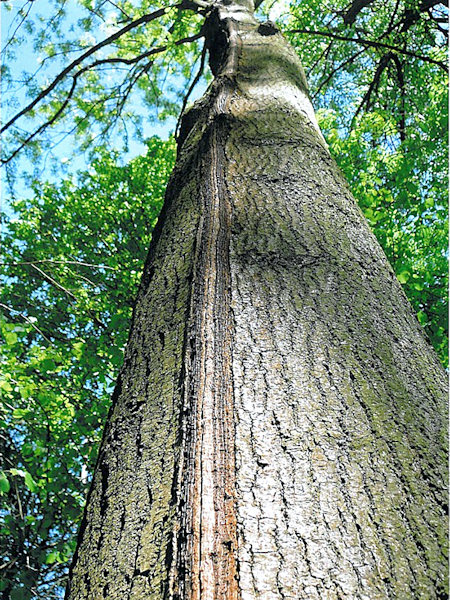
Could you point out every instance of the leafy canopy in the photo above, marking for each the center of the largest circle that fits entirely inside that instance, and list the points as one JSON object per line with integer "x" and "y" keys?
{"x": 73, "y": 248}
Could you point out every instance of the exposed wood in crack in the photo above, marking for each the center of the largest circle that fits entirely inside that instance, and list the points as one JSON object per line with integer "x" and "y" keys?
{"x": 204, "y": 565}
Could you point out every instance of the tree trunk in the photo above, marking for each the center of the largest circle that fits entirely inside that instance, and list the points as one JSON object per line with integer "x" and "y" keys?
{"x": 278, "y": 427}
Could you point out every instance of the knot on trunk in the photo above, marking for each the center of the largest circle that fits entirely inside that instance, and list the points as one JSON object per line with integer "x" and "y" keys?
{"x": 268, "y": 28}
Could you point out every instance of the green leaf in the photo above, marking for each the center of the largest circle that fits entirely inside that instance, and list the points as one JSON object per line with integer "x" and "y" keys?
{"x": 29, "y": 482}
{"x": 52, "y": 558}
{"x": 423, "y": 319}
{"x": 18, "y": 472}
{"x": 5, "y": 386}
{"x": 404, "y": 276}
{"x": 20, "y": 413}
{"x": 4, "y": 483}
{"x": 77, "y": 349}
{"x": 47, "y": 365}
{"x": 10, "y": 338}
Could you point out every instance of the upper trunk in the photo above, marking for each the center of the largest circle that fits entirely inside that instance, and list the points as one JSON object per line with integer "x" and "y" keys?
{"x": 278, "y": 426}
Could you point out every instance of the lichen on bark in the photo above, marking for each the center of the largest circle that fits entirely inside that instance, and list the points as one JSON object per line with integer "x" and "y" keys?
{"x": 278, "y": 429}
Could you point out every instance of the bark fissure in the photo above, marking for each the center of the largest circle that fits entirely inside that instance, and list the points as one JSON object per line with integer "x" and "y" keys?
{"x": 208, "y": 560}
{"x": 205, "y": 564}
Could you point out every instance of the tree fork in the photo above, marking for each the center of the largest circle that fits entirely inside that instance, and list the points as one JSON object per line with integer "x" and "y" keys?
{"x": 278, "y": 429}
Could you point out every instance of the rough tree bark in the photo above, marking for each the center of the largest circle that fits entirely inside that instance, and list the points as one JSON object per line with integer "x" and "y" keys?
{"x": 278, "y": 427}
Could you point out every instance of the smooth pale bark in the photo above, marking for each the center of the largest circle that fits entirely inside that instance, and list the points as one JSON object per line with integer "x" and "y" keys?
{"x": 278, "y": 428}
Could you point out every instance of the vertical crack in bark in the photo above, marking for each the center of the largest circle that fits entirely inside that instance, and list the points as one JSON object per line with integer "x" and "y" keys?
{"x": 205, "y": 565}
{"x": 215, "y": 520}
{"x": 205, "y": 562}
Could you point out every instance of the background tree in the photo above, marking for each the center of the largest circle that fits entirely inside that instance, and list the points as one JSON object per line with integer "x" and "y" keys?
{"x": 393, "y": 156}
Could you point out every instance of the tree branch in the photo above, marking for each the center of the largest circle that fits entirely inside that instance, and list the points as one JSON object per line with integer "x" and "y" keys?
{"x": 127, "y": 61}
{"x": 46, "y": 124}
{"x": 336, "y": 69}
{"x": 356, "y": 7}
{"x": 373, "y": 87}
{"x": 401, "y": 84}
{"x": 28, "y": 320}
{"x": 55, "y": 283}
{"x": 371, "y": 43}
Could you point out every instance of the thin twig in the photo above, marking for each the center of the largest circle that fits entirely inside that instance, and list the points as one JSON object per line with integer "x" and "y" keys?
{"x": 335, "y": 70}
{"x": 53, "y": 282}
{"x": 27, "y": 319}
{"x": 19, "y": 25}
{"x": 62, "y": 262}
{"x": 114, "y": 60}
{"x": 46, "y": 124}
